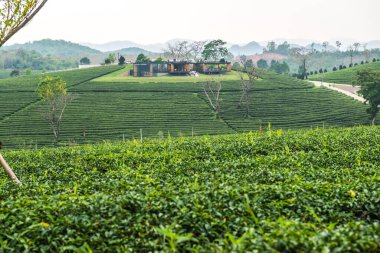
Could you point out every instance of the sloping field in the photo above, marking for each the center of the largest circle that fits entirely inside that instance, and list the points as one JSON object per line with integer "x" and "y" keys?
{"x": 345, "y": 76}
{"x": 108, "y": 110}
{"x": 18, "y": 93}
{"x": 275, "y": 191}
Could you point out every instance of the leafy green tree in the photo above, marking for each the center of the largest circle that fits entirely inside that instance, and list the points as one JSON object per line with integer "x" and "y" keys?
{"x": 107, "y": 61}
{"x": 271, "y": 46}
{"x": 249, "y": 64}
{"x": 215, "y": 50}
{"x": 262, "y": 64}
{"x": 141, "y": 58}
{"x": 121, "y": 60}
{"x": 15, "y": 14}
{"x": 85, "y": 61}
{"x": 159, "y": 60}
{"x": 283, "y": 48}
{"x": 112, "y": 58}
{"x": 53, "y": 91}
{"x": 369, "y": 80}
{"x": 280, "y": 68}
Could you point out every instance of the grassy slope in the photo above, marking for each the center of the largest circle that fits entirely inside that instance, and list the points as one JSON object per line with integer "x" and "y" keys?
{"x": 297, "y": 191}
{"x": 109, "y": 110}
{"x": 345, "y": 76}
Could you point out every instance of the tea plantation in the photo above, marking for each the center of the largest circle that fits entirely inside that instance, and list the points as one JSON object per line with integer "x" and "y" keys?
{"x": 113, "y": 107}
{"x": 273, "y": 191}
{"x": 345, "y": 76}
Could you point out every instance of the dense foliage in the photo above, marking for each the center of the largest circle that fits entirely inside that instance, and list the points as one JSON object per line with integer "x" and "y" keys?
{"x": 274, "y": 191}
{"x": 21, "y": 59}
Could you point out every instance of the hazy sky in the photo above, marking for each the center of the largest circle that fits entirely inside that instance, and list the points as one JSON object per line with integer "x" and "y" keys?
{"x": 239, "y": 21}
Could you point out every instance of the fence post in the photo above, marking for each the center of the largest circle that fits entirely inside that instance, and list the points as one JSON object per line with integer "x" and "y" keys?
{"x": 141, "y": 135}
{"x": 8, "y": 170}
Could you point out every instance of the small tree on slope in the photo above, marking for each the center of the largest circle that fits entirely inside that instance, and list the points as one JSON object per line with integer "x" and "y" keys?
{"x": 369, "y": 80}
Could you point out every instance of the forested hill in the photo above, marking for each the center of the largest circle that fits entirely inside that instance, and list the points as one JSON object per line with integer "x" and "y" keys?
{"x": 59, "y": 48}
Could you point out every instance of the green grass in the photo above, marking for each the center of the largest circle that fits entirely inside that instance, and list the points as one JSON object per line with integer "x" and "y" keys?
{"x": 113, "y": 111}
{"x": 275, "y": 191}
{"x": 345, "y": 76}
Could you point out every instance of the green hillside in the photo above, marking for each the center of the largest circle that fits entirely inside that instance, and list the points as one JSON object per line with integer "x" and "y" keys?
{"x": 58, "y": 48}
{"x": 345, "y": 76}
{"x": 107, "y": 110}
{"x": 275, "y": 191}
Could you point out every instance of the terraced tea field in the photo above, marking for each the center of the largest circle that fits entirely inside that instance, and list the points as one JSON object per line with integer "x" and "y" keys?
{"x": 107, "y": 110}
{"x": 274, "y": 191}
{"x": 345, "y": 76}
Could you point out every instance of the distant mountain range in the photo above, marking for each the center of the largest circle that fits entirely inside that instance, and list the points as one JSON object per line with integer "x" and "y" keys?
{"x": 98, "y": 52}
{"x": 251, "y": 48}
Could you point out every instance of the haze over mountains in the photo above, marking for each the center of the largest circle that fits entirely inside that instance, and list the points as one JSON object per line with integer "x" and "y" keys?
{"x": 65, "y": 49}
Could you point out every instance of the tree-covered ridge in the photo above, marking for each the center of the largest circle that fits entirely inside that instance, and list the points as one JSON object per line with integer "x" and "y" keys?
{"x": 59, "y": 48}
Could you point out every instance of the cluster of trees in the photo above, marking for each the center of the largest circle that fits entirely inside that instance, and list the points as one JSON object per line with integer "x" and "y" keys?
{"x": 22, "y": 59}
{"x": 283, "y": 48}
{"x": 214, "y": 50}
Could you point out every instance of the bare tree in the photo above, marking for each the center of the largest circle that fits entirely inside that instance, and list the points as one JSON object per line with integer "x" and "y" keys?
{"x": 351, "y": 52}
{"x": 14, "y": 15}
{"x": 212, "y": 90}
{"x": 356, "y": 46}
{"x": 197, "y": 49}
{"x": 248, "y": 75}
{"x": 303, "y": 55}
{"x": 366, "y": 53}
{"x": 180, "y": 50}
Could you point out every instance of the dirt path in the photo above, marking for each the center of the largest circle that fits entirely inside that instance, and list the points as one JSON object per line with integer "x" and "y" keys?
{"x": 345, "y": 89}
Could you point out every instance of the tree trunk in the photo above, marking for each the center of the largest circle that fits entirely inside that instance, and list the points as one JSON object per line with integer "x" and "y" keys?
{"x": 8, "y": 170}
{"x": 373, "y": 121}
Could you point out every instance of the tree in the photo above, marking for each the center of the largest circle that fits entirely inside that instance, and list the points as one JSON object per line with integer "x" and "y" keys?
{"x": 271, "y": 46}
{"x": 215, "y": 50}
{"x": 338, "y": 44}
{"x": 15, "y": 14}
{"x": 351, "y": 52}
{"x": 369, "y": 80}
{"x": 246, "y": 88}
{"x": 302, "y": 54}
{"x": 366, "y": 53}
{"x": 85, "y": 61}
{"x": 107, "y": 61}
{"x": 159, "y": 60}
{"x": 212, "y": 90}
{"x": 325, "y": 45}
{"x": 121, "y": 60}
{"x": 53, "y": 91}
{"x": 356, "y": 46}
{"x": 283, "y": 48}
{"x": 197, "y": 49}
{"x": 141, "y": 58}
{"x": 262, "y": 64}
{"x": 279, "y": 68}
{"x": 112, "y": 58}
